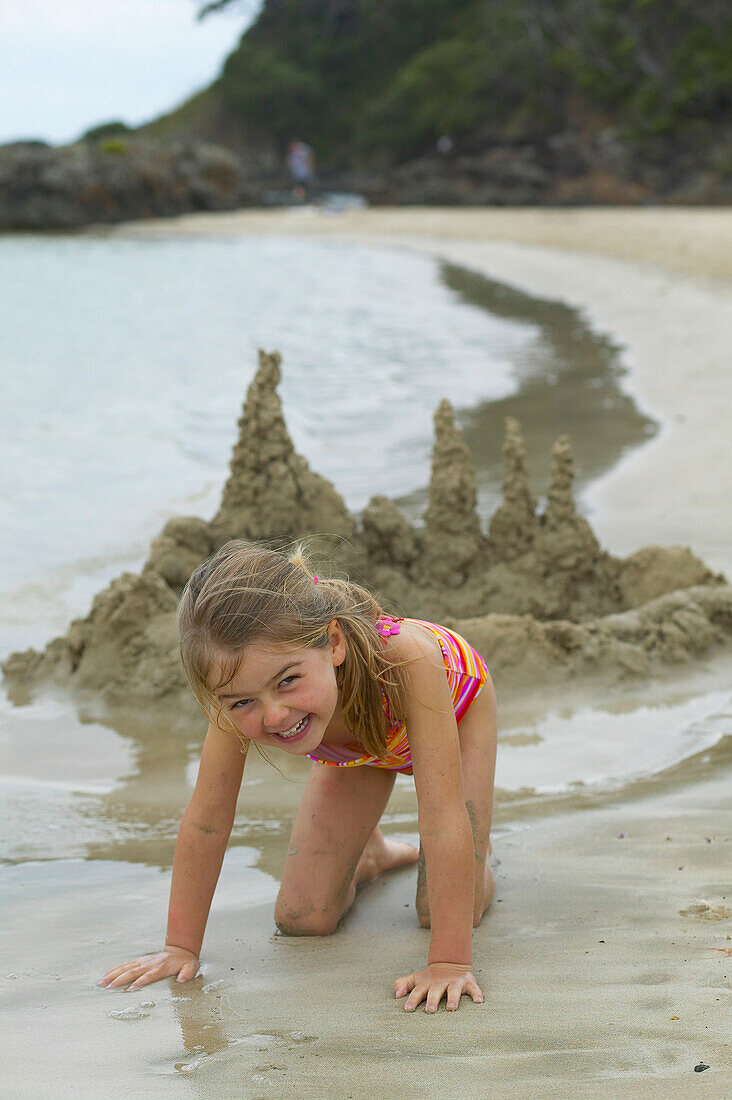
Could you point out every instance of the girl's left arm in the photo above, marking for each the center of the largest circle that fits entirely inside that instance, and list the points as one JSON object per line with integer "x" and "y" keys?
{"x": 445, "y": 833}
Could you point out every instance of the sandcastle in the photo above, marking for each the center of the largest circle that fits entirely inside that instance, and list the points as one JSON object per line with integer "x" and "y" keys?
{"x": 535, "y": 592}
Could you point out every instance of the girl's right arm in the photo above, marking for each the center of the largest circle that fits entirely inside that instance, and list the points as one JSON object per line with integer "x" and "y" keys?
{"x": 199, "y": 852}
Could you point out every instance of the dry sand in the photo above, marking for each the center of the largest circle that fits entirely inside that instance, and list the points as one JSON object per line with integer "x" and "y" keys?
{"x": 585, "y": 958}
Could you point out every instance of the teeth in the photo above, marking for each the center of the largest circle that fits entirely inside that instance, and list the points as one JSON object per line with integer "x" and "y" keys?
{"x": 295, "y": 729}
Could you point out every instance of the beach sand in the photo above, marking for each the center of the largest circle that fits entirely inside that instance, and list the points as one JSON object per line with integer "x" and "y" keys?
{"x": 604, "y": 957}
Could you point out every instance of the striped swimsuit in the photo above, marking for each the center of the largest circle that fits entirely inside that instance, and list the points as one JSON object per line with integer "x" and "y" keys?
{"x": 466, "y": 673}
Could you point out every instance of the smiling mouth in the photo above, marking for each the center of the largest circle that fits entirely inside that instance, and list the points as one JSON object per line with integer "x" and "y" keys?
{"x": 297, "y": 731}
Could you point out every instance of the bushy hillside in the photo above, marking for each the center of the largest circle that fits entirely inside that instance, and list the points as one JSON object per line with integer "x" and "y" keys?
{"x": 379, "y": 81}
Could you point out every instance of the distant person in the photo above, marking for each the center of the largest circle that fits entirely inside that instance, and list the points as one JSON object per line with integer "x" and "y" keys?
{"x": 313, "y": 666}
{"x": 301, "y": 163}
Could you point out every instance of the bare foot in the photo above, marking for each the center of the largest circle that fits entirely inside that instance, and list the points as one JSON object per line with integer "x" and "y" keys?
{"x": 490, "y": 889}
{"x": 381, "y": 855}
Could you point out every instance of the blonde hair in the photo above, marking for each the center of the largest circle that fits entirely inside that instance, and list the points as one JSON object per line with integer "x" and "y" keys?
{"x": 248, "y": 593}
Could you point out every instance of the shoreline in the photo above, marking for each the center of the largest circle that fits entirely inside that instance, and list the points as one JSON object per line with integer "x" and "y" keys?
{"x": 658, "y": 282}
{"x": 692, "y": 241}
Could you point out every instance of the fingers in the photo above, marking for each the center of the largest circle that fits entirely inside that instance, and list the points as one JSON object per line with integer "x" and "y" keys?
{"x": 473, "y": 990}
{"x": 122, "y": 979}
{"x": 111, "y": 974}
{"x": 152, "y": 975}
{"x": 138, "y": 975}
{"x": 432, "y": 992}
{"x": 140, "y": 972}
{"x": 151, "y": 968}
{"x": 402, "y": 986}
{"x": 416, "y": 997}
{"x": 118, "y": 976}
{"x": 434, "y": 996}
{"x": 188, "y": 972}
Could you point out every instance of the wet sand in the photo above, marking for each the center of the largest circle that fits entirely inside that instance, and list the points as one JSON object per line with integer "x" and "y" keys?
{"x": 585, "y": 957}
{"x": 595, "y": 983}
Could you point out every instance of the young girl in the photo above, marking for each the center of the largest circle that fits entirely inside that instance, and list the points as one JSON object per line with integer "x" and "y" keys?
{"x": 280, "y": 657}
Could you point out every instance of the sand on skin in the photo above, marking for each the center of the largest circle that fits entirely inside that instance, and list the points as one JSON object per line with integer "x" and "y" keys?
{"x": 564, "y": 1013}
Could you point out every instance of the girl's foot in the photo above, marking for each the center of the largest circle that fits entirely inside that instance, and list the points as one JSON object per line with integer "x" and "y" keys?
{"x": 490, "y": 889}
{"x": 381, "y": 855}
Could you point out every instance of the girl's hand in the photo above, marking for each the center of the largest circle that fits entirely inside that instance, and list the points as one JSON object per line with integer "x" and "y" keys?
{"x": 150, "y": 968}
{"x": 438, "y": 980}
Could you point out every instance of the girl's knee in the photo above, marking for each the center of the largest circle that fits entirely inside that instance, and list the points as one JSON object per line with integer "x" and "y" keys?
{"x": 292, "y": 923}
{"x": 311, "y": 916}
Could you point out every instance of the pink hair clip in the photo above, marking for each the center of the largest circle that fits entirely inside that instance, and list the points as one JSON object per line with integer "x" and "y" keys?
{"x": 315, "y": 580}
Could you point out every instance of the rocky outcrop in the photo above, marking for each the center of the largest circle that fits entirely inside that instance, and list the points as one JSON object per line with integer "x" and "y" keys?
{"x": 115, "y": 180}
{"x": 220, "y": 165}
{"x": 565, "y": 168}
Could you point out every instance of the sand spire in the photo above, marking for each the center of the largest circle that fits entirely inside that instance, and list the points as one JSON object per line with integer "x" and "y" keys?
{"x": 271, "y": 491}
{"x": 387, "y": 534}
{"x": 452, "y": 537}
{"x": 560, "y": 501}
{"x": 565, "y": 538}
{"x": 514, "y": 523}
{"x": 536, "y": 568}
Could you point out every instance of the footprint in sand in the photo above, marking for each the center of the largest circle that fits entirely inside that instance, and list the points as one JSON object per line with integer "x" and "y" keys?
{"x": 134, "y": 1012}
{"x": 706, "y": 910}
{"x": 268, "y": 1073}
{"x": 258, "y": 1042}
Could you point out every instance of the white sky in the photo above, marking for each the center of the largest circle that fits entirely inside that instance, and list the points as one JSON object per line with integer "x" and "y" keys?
{"x": 67, "y": 65}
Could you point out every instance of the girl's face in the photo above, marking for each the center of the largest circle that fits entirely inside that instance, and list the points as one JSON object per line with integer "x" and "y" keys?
{"x": 284, "y": 696}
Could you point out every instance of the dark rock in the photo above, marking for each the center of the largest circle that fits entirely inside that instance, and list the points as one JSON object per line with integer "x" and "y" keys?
{"x": 114, "y": 180}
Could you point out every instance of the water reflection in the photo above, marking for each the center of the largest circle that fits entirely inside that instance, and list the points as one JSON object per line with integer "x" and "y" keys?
{"x": 569, "y": 381}
{"x": 553, "y": 756}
